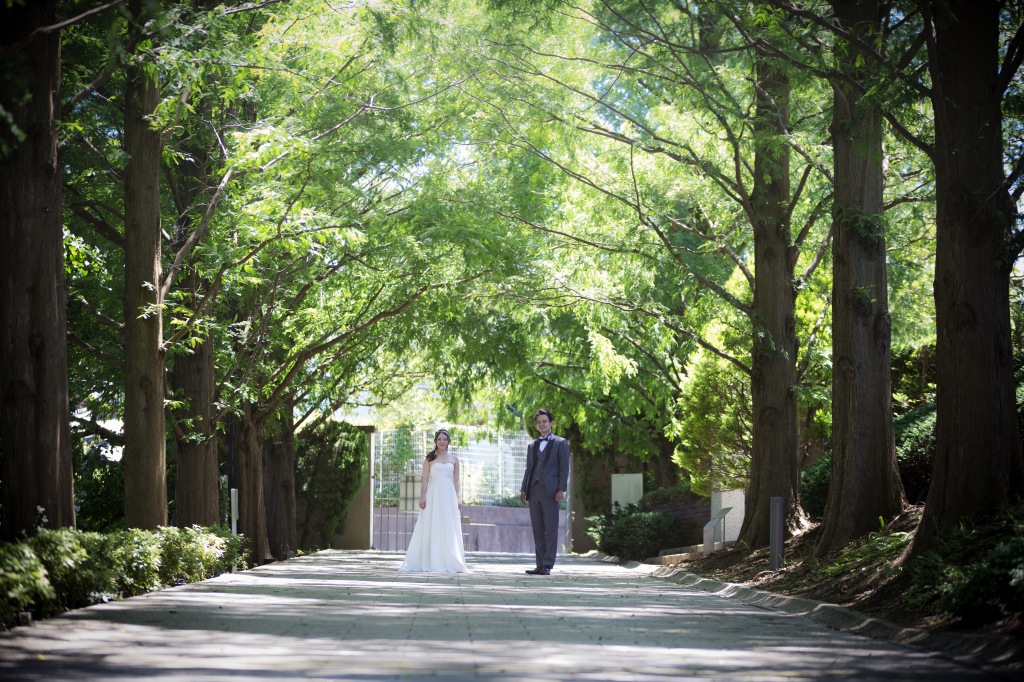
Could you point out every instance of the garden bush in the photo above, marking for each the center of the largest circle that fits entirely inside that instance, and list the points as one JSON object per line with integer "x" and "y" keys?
{"x": 188, "y": 555}
{"x": 77, "y": 564}
{"x": 660, "y": 498}
{"x": 976, "y": 573}
{"x": 23, "y": 582}
{"x": 136, "y": 556}
{"x": 631, "y": 534}
{"x": 598, "y": 525}
{"x": 56, "y": 570}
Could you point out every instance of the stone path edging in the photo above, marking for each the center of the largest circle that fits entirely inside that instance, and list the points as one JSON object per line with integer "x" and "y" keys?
{"x": 994, "y": 653}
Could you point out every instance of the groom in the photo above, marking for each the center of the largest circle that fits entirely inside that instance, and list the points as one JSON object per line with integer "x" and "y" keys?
{"x": 544, "y": 485}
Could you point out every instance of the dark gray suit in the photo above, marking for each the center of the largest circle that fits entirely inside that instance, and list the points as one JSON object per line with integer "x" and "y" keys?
{"x": 546, "y": 473}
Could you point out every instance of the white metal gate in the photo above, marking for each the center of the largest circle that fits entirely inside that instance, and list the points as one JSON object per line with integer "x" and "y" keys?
{"x": 492, "y": 465}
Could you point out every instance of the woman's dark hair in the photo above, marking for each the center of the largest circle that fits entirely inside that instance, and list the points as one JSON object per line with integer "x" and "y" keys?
{"x": 432, "y": 455}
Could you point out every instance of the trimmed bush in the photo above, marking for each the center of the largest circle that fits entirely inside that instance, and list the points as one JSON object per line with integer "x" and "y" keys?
{"x": 644, "y": 534}
{"x": 632, "y": 534}
{"x": 330, "y": 467}
{"x": 77, "y": 564}
{"x": 136, "y": 555}
{"x": 56, "y": 570}
{"x": 667, "y": 497}
{"x": 23, "y": 582}
{"x": 188, "y": 555}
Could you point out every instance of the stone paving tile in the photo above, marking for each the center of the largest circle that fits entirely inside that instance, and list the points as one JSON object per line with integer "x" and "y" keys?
{"x": 351, "y": 616}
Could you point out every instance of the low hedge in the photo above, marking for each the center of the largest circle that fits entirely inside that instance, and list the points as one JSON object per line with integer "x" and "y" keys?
{"x": 57, "y": 570}
{"x": 630, "y": 533}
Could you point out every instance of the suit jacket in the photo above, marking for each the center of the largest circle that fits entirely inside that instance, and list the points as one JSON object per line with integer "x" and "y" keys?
{"x": 554, "y": 471}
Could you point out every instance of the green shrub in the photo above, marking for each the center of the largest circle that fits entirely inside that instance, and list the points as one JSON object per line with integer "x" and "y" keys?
{"x": 77, "y": 564}
{"x": 915, "y": 450}
{"x": 599, "y": 525}
{"x": 643, "y": 534}
{"x": 659, "y": 498}
{"x": 136, "y": 559}
{"x": 976, "y": 572}
{"x": 990, "y": 589}
{"x": 56, "y": 570}
{"x": 99, "y": 486}
{"x": 94, "y": 580}
{"x": 235, "y": 549}
{"x": 814, "y": 486}
{"x": 509, "y": 501}
{"x": 629, "y": 533}
{"x": 184, "y": 555}
{"x": 23, "y": 582}
{"x": 192, "y": 554}
{"x": 330, "y": 467}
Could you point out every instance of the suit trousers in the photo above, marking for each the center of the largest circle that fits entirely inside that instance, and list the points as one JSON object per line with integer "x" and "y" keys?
{"x": 544, "y": 519}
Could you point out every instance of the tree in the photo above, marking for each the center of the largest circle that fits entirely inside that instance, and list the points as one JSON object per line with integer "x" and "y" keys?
{"x": 672, "y": 83}
{"x": 279, "y": 485}
{"x": 191, "y": 186}
{"x": 34, "y": 412}
{"x": 978, "y": 463}
{"x": 865, "y": 483}
{"x": 774, "y": 465}
{"x": 145, "y": 440}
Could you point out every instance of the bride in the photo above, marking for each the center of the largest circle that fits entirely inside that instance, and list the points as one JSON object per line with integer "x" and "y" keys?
{"x": 436, "y": 543}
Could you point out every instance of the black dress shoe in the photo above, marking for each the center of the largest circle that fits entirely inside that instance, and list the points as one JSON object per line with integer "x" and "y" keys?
{"x": 536, "y": 571}
{"x": 544, "y": 571}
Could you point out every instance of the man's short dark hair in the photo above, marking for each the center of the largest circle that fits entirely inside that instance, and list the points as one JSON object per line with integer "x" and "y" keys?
{"x": 544, "y": 411}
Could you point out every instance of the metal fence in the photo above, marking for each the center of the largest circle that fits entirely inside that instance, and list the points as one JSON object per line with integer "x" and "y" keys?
{"x": 492, "y": 465}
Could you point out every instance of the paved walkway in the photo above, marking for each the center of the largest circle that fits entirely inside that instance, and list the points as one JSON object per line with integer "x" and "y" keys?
{"x": 350, "y": 616}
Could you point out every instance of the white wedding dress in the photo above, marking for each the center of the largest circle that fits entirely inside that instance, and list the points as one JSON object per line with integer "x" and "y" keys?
{"x": 436, "y": 543}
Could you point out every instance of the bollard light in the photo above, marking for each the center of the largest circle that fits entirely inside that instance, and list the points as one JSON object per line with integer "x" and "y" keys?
{"x": 775, "y": 532}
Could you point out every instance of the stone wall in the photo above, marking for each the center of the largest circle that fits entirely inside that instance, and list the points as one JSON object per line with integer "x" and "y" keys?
{"x": 490, "y": 529}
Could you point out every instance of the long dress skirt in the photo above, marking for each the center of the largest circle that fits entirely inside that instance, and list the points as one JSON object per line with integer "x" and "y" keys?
{"x": 436, "y": 543}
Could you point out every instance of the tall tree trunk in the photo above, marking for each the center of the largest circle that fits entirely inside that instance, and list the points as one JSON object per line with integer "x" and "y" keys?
{"x": 196, "y": 495}
{"x": 145, "y": 445}
{"x": 774, "y": 468}
{"x": 279, "y": 487}
{"x": 978, "y": 464}
{"x": 34, "y": 417}
{"x": 252, "y": 521}
{"x": 865, "y": 483}
{"x": 196, "y": 498}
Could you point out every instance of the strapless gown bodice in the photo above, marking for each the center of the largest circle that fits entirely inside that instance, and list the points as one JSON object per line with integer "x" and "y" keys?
{"x": 440, "y": 470}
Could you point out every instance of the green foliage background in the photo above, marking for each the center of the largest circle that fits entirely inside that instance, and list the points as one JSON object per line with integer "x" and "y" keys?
{"x": 330, "y": 469}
